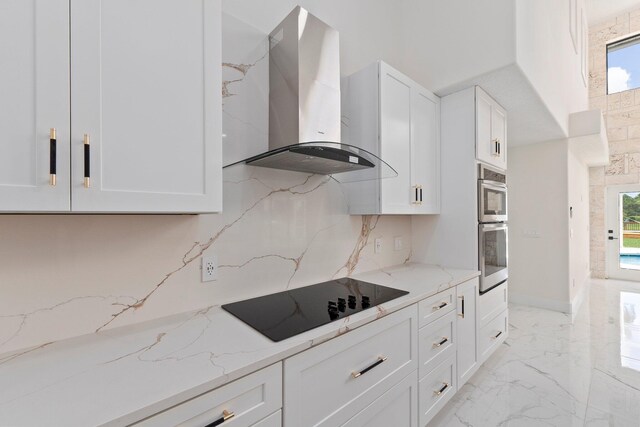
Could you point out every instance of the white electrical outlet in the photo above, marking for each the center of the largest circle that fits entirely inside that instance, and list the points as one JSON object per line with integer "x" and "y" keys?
{"x": 209, "y": 268}
{"x": 377, "y": 245}
{"x": 397, "y": 242}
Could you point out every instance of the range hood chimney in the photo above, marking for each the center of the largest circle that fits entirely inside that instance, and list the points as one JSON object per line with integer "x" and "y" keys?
{"x": 304, "y": 104}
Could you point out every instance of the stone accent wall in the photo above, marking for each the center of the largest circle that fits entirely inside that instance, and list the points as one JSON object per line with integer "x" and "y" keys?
{"x": 622, "y": 117}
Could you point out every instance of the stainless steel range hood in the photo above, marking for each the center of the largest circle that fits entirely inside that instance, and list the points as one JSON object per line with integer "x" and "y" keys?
{"x": 304, "y": 105}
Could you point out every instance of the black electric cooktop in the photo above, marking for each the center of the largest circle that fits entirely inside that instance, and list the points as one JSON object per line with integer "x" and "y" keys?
{"x": 285, "y": 314}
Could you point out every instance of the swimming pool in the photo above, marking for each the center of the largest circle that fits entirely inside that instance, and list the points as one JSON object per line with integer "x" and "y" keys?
{"x": 630, "y": 261}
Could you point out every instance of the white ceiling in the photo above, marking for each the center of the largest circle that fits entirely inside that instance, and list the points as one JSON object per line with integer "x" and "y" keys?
{"x": 598, "y": 10}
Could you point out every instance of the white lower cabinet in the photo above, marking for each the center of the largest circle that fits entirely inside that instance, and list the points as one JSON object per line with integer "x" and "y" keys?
{"x": 331, "y": 383}
{"x": 492, "y": 303}
{"x": 273, "y": 420}
{"x": 466, "y": 325}
{"x": 241, "y": 403}
{"x": 492, "y": 335}
{"x": 437, "y": 343}
{"x": 399, "y": 370}
{"x": 398, "y": 407}
{"x": 436, "y": 389}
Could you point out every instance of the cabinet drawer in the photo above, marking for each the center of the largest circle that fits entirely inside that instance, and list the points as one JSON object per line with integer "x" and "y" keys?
{"x": 273, "y": 420}
{"x": 492, "y": 335}
{"x": 437, "y": 306}
{"x": 398, "y": 407}
{"x": 322, "y": 385}
{"x": 437, "y": 342}
{"x": 491, "y": 304}
{"x": 436, "y": 389}
{"x": 249, "y": 399}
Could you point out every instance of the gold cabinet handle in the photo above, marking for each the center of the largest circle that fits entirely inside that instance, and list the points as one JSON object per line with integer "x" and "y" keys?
{"x": 53, "y": 156}
{"x": 87, "y": 160}
{"x": 226, "y": 415}
{"x": 370, "y": 367}
{"x": 441, "y": 342}
{"x": 442, "y": 390}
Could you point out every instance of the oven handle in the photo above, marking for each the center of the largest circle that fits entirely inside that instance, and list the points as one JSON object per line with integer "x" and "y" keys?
{"x": 495, "y": 185}
{"x": 493, "y": 227}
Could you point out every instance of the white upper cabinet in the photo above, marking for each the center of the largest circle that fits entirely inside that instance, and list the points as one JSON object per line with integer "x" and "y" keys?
{"x": 491, "y": 131}
{"x": 396, "y": 119}
{"x": 142, "y": 94}
{"x": 34, "y": 88}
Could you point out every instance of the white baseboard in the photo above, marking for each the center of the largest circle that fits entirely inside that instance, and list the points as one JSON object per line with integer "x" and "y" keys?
{"x": 569, "y": 307}
{"x": 580, "y": 297}
{"x": 547, "y": 304}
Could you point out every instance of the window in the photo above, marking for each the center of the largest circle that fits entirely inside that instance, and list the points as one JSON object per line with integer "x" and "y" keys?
{"x": 623, "y": 65}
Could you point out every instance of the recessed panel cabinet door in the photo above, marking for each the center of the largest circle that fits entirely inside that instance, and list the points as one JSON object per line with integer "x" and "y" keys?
{"x": 395, "y": 136}
{"x": 34, "y": 98}
{"x": 146, "y": 106}
{"x": 425, "y": 151}
{"x": 467, "y": 314}
{"x": 499, "y": 134}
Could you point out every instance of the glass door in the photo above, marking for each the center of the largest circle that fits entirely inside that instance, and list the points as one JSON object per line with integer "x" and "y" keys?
{"x": 622, "y": 234}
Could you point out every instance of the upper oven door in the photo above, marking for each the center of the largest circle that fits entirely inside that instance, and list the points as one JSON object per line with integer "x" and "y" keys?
{"x": 492, "y": 203}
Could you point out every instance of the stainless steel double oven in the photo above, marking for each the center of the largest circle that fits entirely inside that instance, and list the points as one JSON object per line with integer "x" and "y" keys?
{"x": 492, "y": 227}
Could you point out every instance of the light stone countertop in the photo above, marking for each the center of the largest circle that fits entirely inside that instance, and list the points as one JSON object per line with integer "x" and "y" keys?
{"x": 119, "y": 376}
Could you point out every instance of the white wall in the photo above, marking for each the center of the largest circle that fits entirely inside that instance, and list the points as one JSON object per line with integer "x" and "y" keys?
{"x": 539, "y": 266}
{"x": 578, "y": 194}
{"x": 547, "y": 57}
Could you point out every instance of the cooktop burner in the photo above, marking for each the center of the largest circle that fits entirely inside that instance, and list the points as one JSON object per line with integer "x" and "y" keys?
{"x": 285, "y": 314}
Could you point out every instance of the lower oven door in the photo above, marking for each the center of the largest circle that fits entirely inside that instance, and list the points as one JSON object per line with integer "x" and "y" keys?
{"x": 493, "y": 255}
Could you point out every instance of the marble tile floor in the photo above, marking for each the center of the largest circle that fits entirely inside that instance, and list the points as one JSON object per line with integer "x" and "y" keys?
{"x": 552, "y": 372}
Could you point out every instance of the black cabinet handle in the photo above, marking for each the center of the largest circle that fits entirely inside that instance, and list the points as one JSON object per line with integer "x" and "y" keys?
{"x": 421, "y": 194}
{"x": 462, "y": 304}
{"x": 87, "y": 160}
{"x": 226, "y": 415}
{"x": 441, "y": 306}
{"x": 496, "y": 337}
{"x": 53, "y": 157}
{"x": 442, "y": 342}
{"x": 444, "y": 387}
{"x": 368, "y": 368}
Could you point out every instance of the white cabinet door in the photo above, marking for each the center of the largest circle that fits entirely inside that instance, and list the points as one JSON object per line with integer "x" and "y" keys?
{"x": 395, "y": 140}
{"x": 145, "y": 89}
{"x": 398, "y": 407}
{"x": 499, "y": 134}
{"x": 425, "y": 151}
{"x": 485, "y": 151}
{"x": 34, "y": 97}
{"x": 491, "y": 131}
{"x": 467, "y": 362}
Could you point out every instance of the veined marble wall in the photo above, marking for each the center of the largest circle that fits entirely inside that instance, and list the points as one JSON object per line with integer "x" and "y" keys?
{"x": 67, "y": 275}
{"x": 622, "y": 116}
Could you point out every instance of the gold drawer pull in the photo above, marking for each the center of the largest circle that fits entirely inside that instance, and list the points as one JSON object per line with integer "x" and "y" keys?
{"x": 442, "y": 390}
{"x": 441, "y": 343}
{"x": 441, "y": 306}
{"x": 226, "y": 415}
{"x": 370, "y": 367}
{"x": 496, "y": 337}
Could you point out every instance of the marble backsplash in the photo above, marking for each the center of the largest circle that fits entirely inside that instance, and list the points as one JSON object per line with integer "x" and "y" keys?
{"x": 67, "y": 275}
